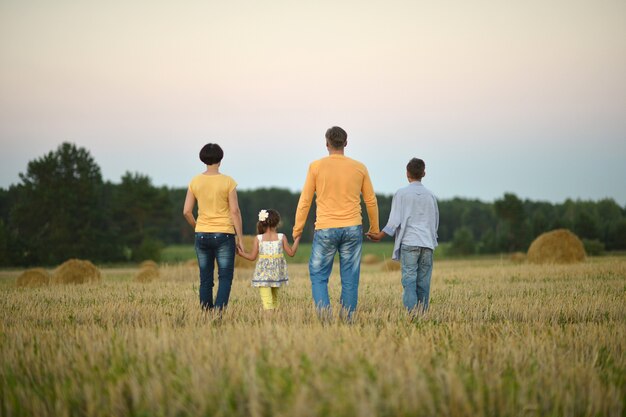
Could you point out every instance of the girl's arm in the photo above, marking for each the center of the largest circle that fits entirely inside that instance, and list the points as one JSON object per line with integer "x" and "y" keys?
{"x": 252, "y": 255}
{"x": 290, "y": 250}
{"x": 190, "y": 202}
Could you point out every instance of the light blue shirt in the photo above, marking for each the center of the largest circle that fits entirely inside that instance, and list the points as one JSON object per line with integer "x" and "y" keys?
{"x": 414, "y": 218}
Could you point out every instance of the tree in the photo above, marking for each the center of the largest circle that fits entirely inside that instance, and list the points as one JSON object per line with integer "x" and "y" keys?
{"x": 463, "y": 242}
{"x": 60, "y": 210}
{"x": 4, "y": 245}
{"x": 510, "y": 210}
{"x": 142, "y": 215}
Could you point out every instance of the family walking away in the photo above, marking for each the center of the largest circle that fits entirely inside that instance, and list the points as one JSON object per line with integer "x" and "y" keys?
{"x": 270, "y": 272}
{"x": 338, "y": 183}
{"x": 217, "y": 225}
{"x": 413, "y": 220}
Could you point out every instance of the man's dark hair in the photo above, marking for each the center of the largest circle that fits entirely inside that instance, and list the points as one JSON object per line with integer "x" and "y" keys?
{"x": 211, "y": 153}
{"x": 416, "y": 168}
{"x": 336, "y": 137}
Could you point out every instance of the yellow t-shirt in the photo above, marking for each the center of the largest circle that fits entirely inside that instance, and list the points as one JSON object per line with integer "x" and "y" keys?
{"x": 338, "y": 182}
{"x": 211, "y": 192}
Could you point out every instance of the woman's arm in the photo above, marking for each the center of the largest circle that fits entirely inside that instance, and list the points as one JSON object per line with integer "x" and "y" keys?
{"x": 291, "y": 250}
{"x": 190, "y": 202}
{"x": 235, "y": 213}
{"x": 252, "y": 255}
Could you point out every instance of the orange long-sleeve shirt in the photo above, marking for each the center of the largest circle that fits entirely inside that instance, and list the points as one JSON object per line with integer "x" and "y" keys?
{"x": 338, "y": 183}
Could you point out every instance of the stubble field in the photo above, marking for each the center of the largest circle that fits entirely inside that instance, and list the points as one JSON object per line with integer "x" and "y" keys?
{"x": 500, "y": 339}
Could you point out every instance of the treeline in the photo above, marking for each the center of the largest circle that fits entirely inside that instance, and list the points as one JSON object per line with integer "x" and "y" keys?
{"x": 62, "y": 208}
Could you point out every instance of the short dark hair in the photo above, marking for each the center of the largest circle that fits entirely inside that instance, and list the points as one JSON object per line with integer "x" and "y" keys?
{"x": 273, "y": 219}
{"x": 211, "y": 154}
{"x": 416, "y": 168}
{"x": 336, "y": 137}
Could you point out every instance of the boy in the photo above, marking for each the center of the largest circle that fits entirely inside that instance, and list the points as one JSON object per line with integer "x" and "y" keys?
{"x": 413, "y": 220}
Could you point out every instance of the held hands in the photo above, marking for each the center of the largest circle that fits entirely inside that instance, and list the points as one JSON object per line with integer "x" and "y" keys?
{"x": 291, "y": 250}
{"x": 375, "y": 237}
{"x": 239, "y": 248}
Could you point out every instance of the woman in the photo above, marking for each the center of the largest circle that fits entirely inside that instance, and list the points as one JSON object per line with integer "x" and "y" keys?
{"x": 219, "y": 220}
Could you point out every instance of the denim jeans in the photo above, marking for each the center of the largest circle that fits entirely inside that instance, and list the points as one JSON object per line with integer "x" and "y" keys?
{"x": 348, "y": 241}
{"x": 417, "y": 268}
{"x": 211, "y": 247}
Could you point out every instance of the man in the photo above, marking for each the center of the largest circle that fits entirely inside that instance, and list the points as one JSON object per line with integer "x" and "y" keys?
{"x": 338, "y": 183}
{"x": 414, "y": 220}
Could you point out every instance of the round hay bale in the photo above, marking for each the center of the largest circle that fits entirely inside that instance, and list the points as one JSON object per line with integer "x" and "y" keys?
{"x": 556, "y": 247}
{"x": 35, "y": 277}
{"x": 148, "y": 264}
{"x": 370, "y": 259}
{"x": 76, "y": 271}
{"x": 147, "y": 274}
{"x": 240, "y": 262}
{"x": 517, "y": 257}
{"x": 391, "y": 265}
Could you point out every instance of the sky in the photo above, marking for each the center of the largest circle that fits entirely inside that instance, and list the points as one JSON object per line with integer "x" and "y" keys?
{"x": 508, "y": 96}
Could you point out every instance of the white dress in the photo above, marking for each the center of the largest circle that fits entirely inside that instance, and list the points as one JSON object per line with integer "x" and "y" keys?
{"x": 271, "y": 267}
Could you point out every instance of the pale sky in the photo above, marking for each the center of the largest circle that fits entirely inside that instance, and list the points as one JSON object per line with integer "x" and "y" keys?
{"x": 526, "y": 97}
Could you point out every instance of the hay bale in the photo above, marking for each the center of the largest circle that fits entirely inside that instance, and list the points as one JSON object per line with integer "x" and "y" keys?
{"x": 34, "y": 277}
{"x": 148, "y": 264}
{"x": 240, "y": 262}
{"x": 517, "y": 257}
{"x": 390, "y": 265}
{"x": 76, "y": 271}
{"x": 147, "y": 274}
{"x": 556, "y": 247}
{"x": 370, "y": 259}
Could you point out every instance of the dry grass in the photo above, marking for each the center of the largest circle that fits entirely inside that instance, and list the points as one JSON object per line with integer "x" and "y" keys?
{"x": 34, "y": 277}
{"x": 149, "y": 263}
{"x": 556, "y": 247}
{"x": 370, "y": 259}
{"x": 147, "y": 274}
{"x": 500, "y": 339}
{"x": 390, "y": 266}
{"x": 76, "y": 271}
{"x": 517, "y": 257}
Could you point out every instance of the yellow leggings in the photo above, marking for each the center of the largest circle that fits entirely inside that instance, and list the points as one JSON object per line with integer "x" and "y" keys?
{"x": 269, "y": 297}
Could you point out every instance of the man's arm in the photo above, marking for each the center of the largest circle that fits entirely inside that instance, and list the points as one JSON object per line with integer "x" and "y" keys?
{"x": 371, "y": 203}
{"x": 304, "y": 204}
{"x": 394, "y": 222}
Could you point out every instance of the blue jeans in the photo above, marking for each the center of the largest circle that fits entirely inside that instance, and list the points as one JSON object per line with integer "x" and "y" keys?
{"x": 417, "y": 268}
{"x": 348, "y": 241}
{"x": 209, "y": 247}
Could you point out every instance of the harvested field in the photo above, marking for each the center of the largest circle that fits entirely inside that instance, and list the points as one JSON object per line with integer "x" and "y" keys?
{"x": 500, "y": 339}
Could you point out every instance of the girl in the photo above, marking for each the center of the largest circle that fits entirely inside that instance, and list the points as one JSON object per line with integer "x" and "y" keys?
{"x": 271, "y": 269}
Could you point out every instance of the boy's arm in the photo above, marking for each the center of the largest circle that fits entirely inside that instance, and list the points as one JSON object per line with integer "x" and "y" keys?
{"x": 304, "y": 203}
{"x": 436, "y": 216}
{"x": 371, "y": 203}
